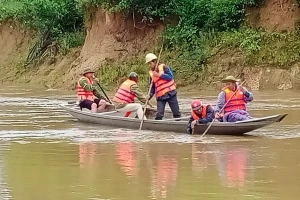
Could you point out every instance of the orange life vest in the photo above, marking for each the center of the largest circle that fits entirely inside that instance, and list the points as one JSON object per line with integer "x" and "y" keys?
{"x": 124, "y": 95}
{"x": 236, "y": 102}
{"x": 82, "y": 94}
{"x": 162, "y": 86}
{"x": 203, "y": 113}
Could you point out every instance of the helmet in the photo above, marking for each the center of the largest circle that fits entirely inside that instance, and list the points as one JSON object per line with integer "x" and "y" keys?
{"x": 133, "y": 75}
{"x": 196, "y": 104}
{"x": 150, "y": 57}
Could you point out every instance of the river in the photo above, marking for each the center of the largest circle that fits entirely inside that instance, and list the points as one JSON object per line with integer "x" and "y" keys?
{"x": 46, "y": 154}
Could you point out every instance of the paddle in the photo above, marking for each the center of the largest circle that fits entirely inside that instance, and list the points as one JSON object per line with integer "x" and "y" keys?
{"x": 103, "y": 91}
{"x": 219, "y": 112}
{"x": 151, "y": 84}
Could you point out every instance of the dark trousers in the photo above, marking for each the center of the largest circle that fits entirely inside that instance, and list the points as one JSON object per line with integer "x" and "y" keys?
{"x": 173, "y": 103}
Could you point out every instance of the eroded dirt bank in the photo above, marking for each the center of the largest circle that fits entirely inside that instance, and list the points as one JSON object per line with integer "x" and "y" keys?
{"x": 116, "y": 36}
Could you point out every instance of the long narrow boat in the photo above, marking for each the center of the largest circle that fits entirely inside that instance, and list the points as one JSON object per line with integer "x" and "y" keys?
{"x": 117, "y": 119}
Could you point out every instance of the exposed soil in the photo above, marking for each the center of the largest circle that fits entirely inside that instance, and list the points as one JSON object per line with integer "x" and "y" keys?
{"x": 114, "y": 36}
{"x": 274, "y": 15}
{"x": 14, "y": 41}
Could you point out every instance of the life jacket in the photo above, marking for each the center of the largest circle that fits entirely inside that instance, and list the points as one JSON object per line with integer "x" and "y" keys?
{"x": 162, "y": 86}
{"x": 236, "y": 102}
{"x": 124, "y": 95}
{"x": 203, "y": 113}
{"x": 82, "y": 94}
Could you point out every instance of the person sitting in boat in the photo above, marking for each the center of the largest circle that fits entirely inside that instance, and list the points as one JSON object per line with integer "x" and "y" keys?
{"x": 124, "y": 97}
{"x": 200, "y": 114}
{"x": 88, "y": 94}
{"x": 237, "y": 97}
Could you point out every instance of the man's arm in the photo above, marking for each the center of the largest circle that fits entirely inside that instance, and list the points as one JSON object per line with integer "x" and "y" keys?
{"x": 86, "y": 86}
{"x": 97, "y": 92}
{"x": 167, "y": 75}
{"x": 152, "y": 89}
{"x": 138, "y": 93}
{"x": 220, "y": 102}
{"x": 209, "y": 116}
{"x": 248, "y": 95}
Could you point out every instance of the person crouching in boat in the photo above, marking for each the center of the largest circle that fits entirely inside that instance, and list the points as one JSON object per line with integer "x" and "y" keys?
{"x": 88, "y": 94}
{"x": 238, "y": 96}
{"x": 124, "y": 97}
{"x": 200, "y": 114}
{"x": 163, "y": 87}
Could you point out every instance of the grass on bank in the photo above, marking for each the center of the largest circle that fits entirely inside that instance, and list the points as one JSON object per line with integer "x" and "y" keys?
{"x": 258, "y": 48}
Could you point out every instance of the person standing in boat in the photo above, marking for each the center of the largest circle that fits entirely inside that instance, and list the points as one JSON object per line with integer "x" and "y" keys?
{"x": 163, "y": 87}
{"x": 88, "y": 94}
{"x": 124, "y": 97}
{"x": 200, "y": 114}
{"x": 238, "y": 96}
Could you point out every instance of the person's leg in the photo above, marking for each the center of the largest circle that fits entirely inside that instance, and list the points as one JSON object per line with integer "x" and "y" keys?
{"x": 101, "y": 105}
{"x": 134, "y": 107}
{"x": 161, "y": 104}
{"x": 173, "y": 103}
{"x": 89, "y": 105}
{"x": 237, "y": 115}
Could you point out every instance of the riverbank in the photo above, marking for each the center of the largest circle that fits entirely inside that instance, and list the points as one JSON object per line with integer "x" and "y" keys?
{"x": 115, "y": 45}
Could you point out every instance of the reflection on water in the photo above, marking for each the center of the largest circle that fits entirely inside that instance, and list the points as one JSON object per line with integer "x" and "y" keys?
{"x": 46, "y": 154}
{"x": 231, "y": 166}
{"x": 231, "y": 163}
{"x": 87, "y": 153}
{"x": 165, "y": 177}
{"x": 125, "y": 155}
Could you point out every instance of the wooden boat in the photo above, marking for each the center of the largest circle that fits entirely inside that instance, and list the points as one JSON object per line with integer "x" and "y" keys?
{"x": 117, "y": 119}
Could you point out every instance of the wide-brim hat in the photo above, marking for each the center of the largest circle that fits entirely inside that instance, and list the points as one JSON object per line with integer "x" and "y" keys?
{"x": 88, "y": 70}
{"x": 230, "y": 79}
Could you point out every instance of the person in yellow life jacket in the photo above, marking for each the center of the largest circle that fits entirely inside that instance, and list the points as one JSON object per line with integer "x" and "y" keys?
{"x": 124, "y": 97}
{"x": 163, "y": 87}
{"x": 88, "y": 94}
{"x": 235, "y": 109}
{"x": 200, "y": 114}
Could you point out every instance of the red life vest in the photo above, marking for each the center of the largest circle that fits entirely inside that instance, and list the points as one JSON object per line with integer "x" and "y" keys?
{"x": 203, "y": 113}
{"x": 162, "y": 86}
{"x": 82, "y": 94}
{"x": 124, "y": 95}
{"x": 236, "y": 102}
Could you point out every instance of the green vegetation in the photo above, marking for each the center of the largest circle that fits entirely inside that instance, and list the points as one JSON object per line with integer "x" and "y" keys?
{"x": 258, "y": 48}
{"x": 196, "y": 31}
{"x": 61, "y": 17}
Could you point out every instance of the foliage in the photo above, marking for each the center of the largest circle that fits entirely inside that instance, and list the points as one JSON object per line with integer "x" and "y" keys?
{"x": 194, "y": 16}
{"x": 62, "y": 17}
{"x": 114, "y": 73}
{"x": 188, "y": 63}
{"x": 70, "y": 40}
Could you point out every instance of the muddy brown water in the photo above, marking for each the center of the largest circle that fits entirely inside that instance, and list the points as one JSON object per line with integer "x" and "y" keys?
{"x": 46, "y": 154}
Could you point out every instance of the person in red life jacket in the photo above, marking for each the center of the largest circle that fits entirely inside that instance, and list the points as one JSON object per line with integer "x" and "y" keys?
{"x": 88, "y": 94}
{"x": 124, "y": 97}
{"x": 235, "y": 110}
{"x": 163, "y": 87}
{"x": 200, "y": 113}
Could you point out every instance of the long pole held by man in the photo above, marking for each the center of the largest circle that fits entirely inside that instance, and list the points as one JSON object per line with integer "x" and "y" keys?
{"x": 224, "y": 106}
{"x": 151, "y": 84}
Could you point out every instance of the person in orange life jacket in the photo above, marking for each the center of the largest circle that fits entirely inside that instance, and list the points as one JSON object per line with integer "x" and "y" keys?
{"x": 235, "y": 110}
{"x": 200, "y": 113}
{"x": 88, "y": 94}
{"x": 124, "y": 97}
{"x": 163, "y": 87}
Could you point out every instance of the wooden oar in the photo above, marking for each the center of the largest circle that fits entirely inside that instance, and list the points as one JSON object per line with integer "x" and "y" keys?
{"x": 151, "y": 84}
{"x": 104, "y": 92}
{"x": 219, "y": 112}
